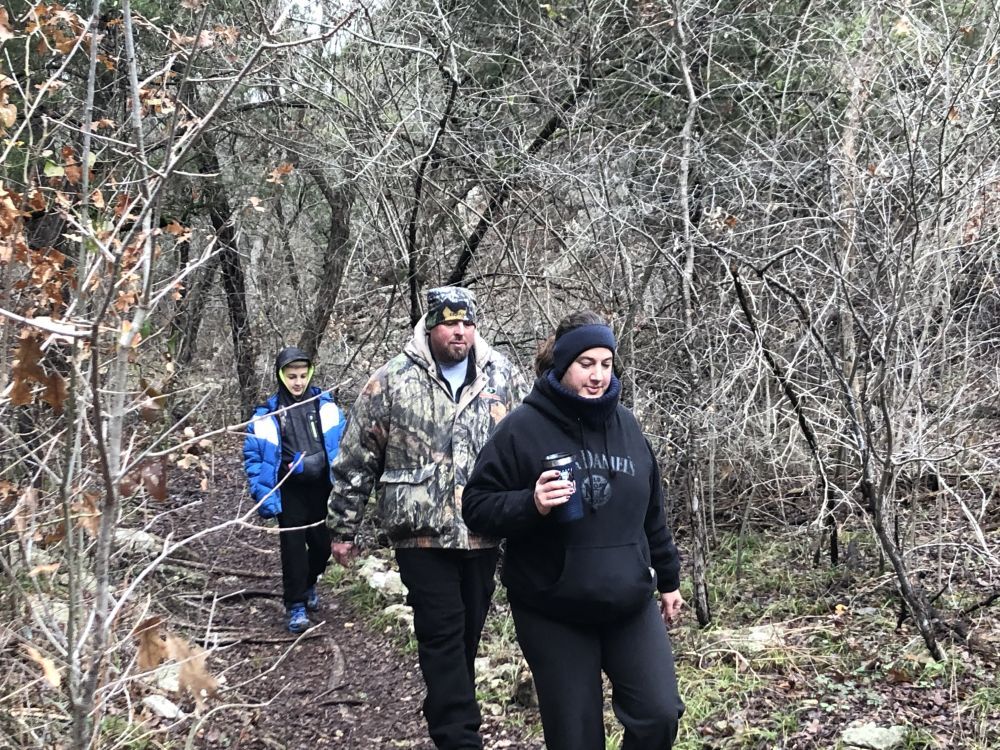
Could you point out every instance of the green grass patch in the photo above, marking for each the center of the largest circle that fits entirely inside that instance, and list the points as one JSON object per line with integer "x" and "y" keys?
{"x": 982, "y": 708}
{"x": 920, "y": 739}
{"x": 714, "y": 696}
{"x": 501, "y": 681}
{"x": 766, "y": 577}
{"x": 336, "y": 577}
{"x": 118, "y": 733}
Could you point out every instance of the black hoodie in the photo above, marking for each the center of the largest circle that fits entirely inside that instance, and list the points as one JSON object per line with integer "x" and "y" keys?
{"x": 600, "y": 567}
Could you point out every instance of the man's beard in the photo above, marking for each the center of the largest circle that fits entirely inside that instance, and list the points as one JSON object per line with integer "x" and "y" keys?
{"x": 451, "y": 356}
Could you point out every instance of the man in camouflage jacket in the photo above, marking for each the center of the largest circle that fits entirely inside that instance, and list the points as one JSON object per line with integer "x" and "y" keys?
{"x": 414, "y": 434}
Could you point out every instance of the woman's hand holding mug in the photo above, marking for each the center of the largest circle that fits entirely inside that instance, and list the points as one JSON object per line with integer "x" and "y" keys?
{"x": 551, "y": 490}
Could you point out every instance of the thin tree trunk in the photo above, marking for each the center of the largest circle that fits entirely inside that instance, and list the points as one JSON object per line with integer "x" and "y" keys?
{"x": 626, "y": 345}
{"x": 109, "y": 423}
{"x": 233, "y": 279}
{"x": 234, "y": 284}
{"x": 914, "y": 598}
{"x": 426, "y": 163}
{"x": 693, "y": 472}
{"x": 340, "y": 201}
{"x": 193, "y": 313}
{"x": 846, "y": 196}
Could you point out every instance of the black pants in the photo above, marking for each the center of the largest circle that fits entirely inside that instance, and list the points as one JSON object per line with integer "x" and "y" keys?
{"x": 304, "y": 552}
{"x": 450, "y": 593}
{"x": 566, "y": 663}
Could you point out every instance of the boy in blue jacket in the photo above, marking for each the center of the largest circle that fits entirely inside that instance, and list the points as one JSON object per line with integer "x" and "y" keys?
{"x": 290, "y": 445}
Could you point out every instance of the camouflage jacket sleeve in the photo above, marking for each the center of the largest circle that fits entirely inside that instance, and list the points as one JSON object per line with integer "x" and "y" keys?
{"x": 359, "y": 463}
{"x": 519, "y": 388}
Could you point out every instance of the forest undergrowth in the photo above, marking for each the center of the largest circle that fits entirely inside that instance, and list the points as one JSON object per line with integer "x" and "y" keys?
{"x": 797, "y": 653}
{"x": 800, "y": 652}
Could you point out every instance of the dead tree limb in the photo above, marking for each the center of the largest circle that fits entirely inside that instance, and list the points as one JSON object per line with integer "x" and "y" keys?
{"x": 502, "y": 191}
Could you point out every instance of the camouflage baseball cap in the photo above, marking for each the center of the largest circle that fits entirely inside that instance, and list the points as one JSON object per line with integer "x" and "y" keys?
{"x": 446, "y": 303}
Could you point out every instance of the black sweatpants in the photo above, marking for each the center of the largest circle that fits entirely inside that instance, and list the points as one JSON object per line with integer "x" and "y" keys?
{"x": 450, "y": 592}
{"x": 566, "y": 662}
{"x": 304, "y": 552}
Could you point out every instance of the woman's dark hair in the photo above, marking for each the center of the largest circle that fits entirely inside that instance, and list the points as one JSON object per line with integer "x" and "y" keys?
{"x": 543, "y": 357}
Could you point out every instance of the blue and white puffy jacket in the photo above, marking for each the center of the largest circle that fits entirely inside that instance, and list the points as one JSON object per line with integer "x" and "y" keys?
{"x": 262, "y": 448}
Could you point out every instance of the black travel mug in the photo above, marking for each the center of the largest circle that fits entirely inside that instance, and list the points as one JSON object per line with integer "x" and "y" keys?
{"x": 572, "y": 509}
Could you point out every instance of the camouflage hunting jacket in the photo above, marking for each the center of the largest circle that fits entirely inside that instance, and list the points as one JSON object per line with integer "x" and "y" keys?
{"x": 409, "y": 440}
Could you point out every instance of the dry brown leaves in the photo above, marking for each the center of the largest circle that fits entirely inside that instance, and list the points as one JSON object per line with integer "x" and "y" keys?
{"x": 49, "y": 672}
{"x": 279, "y": 173}
{"x": 156, "y": 645}
{"x": 150, "y": 474}
{"x": 8, "y": 111}
{"x": 28, "y": 370}
{"x": 87, "y": 514}
{"x": 151, "y": 648}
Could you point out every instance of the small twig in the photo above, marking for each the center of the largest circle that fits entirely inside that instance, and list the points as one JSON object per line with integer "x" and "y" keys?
{"x": 242, "y": 594}
{"x": 341, "y": 702}
{"x": 231, "y": 638}
{"x": 216, "y": 569}
{"x": 985, "y": 603}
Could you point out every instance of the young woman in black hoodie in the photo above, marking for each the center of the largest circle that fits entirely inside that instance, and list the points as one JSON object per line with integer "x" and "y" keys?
{"x": 581, "y": 591}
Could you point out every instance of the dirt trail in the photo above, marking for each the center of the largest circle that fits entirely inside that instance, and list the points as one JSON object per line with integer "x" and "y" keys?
{"x": 340, "y": 685}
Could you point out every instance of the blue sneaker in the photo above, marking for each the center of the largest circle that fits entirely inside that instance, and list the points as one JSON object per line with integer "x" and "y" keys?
{"x": 297, "y": 620}
{"x": 312, "y": 599}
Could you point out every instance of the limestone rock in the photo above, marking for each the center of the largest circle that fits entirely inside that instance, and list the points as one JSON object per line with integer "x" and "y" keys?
{"x": 401, "y": 613}
{"x": 373, "y": 570}
{"x": 371, "y": 565}
{"x": 136, "y": 539}
{"x": 751, "y": 641}
{"x": 873, "y": 737}
{"x": 168, "y": 678}
{"x": 162, "y": 707}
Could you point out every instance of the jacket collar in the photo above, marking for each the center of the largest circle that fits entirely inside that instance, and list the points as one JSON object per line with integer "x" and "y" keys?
{"x": 272, "y": 402}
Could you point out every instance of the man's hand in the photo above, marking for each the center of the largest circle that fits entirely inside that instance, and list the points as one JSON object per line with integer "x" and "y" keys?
{"x": 343, "y": 552}
{"x": 670, "y": 606}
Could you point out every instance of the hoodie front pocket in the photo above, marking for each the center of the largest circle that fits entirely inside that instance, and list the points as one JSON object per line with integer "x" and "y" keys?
{"x": 615, "y": 578}
{"x": 410, "y": 503}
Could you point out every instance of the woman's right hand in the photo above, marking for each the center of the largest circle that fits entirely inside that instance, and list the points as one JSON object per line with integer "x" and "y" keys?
{"x": 551, "y": 490}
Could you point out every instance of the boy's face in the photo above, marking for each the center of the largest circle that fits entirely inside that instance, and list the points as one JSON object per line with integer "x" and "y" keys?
{"x": 296, "y": 377}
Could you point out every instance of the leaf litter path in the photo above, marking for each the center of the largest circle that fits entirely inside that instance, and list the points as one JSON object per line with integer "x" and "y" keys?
{"x": 342, "y": 684}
